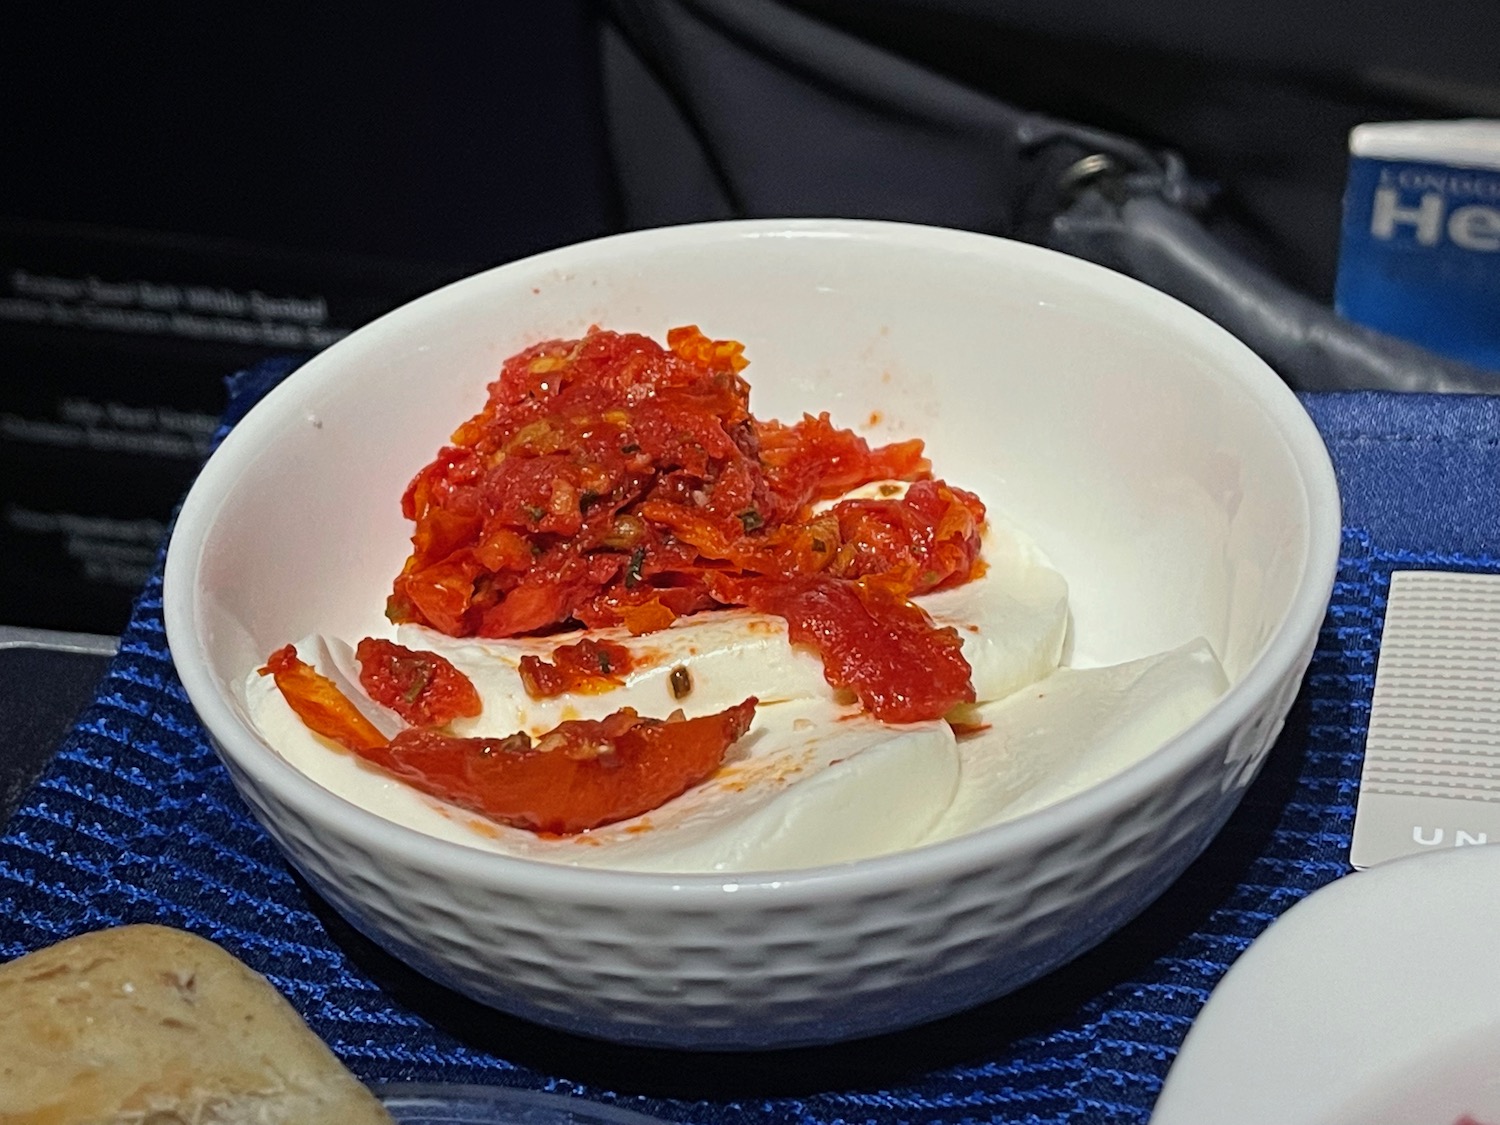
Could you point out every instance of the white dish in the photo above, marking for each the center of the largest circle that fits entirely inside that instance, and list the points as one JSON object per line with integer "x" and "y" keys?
{"x": 1375, "y": 1001}
{"x": 443, "y": 1104}
{"x": 1164, "y": 469}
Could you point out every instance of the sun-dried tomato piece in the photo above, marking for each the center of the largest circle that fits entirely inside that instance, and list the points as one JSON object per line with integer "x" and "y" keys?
{"x": 588, "y": 666}
{"x": 319, "y": 703}
{"x": 425, "y": 689}
{"x": 873, "y": 642}
{"x": 583, "y": 774}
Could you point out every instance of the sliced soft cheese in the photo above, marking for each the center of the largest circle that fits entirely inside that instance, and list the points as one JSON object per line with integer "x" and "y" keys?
{"x": 728, "y": 655}
{"x": 1075, "y": 728}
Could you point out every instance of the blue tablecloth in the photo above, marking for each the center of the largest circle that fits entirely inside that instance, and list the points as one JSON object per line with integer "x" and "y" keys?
{"x": 137, "y": 821}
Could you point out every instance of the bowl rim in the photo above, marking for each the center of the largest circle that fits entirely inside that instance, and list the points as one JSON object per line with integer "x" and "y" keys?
{"x": 873, "y": 876}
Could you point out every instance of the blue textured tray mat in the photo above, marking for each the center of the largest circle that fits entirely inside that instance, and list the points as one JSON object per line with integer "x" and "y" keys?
{"x": 136, "y": 821}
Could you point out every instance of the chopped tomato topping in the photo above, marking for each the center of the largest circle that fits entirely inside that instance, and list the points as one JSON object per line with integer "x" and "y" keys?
{"x": 814, "y": 460}
{"x": 425, "y": 689}
{"x": 319, "y": 703}
{"x": 588, "y": 666}
{"x": 612, "y": 481}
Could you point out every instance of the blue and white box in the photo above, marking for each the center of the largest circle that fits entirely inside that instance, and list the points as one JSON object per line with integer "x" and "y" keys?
{"x": 1420, "y": 256}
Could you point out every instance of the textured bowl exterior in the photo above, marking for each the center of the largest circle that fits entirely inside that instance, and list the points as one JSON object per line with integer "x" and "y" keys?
{"x": 746, "y": 970}
{"x": 772, "y": 960}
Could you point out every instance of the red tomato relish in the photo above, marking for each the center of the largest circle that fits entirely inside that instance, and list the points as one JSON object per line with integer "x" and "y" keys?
{"x": 425, "y": 689}
{"x": 589, "y": 666}
{"x": 612, "y": 481}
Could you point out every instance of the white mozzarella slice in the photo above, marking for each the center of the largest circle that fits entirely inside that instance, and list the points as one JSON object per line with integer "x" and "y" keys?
{"x": 1013, "y": 629}
{"x": 727, "y": 655}
{"x": 1074, "y": 729}
{"x": 814, "y": 783}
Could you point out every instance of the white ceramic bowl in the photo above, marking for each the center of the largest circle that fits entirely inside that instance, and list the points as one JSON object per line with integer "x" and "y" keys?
{"x": 1171, "y": 477}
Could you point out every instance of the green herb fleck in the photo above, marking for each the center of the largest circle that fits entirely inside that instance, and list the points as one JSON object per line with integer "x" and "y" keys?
{"x": 633, "y": 568}
{"x": 421, "y": 675}
{"x": 398, "y": 609}
{"x": 750, "y": 519}
{"x": 534, "y": 513}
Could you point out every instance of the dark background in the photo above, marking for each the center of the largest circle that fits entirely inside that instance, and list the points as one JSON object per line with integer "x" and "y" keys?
{"x": 186, "y": 193}
{"x": 447, "y": 134}
{"x": 347, "y": 158}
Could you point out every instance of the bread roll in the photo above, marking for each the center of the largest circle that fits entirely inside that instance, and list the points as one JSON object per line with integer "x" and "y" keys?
{"x": 145, "y": 1025}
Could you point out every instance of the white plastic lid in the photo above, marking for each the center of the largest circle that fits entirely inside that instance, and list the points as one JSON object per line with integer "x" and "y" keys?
{"x": 1472, "y": 142}
{"x": 443, "y": 1104}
